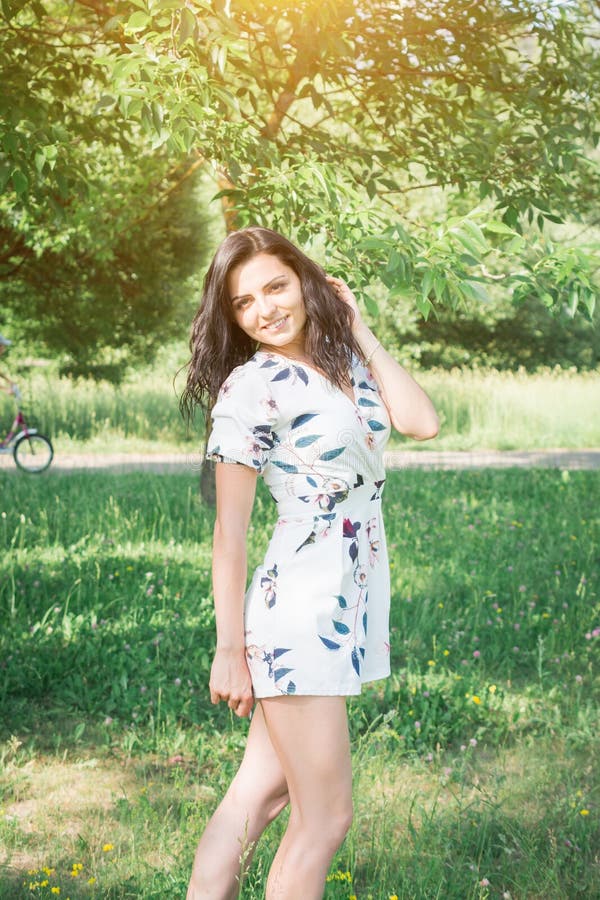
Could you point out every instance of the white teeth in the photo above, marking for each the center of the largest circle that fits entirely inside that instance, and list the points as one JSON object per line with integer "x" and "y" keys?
{"x": 276, "y": 324}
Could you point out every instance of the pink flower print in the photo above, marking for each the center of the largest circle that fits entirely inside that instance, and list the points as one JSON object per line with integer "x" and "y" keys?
{"x": 373, "y": 541}
{"x": 269, "y": 405}
{"x": 360, "y": 576}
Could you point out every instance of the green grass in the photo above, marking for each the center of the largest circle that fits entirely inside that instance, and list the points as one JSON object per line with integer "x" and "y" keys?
{"x": 477, "y": 760}
{"x": 480, "y": 409}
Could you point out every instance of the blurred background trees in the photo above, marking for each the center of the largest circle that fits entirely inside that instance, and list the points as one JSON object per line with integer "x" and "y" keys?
{"x": 440, "y": 154}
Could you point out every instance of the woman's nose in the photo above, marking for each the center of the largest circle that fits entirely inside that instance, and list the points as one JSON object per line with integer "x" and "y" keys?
{"x": 265, "y": 304}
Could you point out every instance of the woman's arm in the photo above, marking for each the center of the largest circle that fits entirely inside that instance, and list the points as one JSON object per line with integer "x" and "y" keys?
{"x": 230, "y": 677}
{"x": 410, "y": 409}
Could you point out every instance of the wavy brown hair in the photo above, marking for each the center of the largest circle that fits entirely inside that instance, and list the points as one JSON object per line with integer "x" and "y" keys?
{"x": 218, "y": 344}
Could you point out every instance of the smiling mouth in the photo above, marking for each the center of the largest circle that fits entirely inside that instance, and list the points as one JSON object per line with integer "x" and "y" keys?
{"x": 275, "y": 326}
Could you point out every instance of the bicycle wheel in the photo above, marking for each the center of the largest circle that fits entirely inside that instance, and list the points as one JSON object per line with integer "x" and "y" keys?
{"x": 33, "y": 453}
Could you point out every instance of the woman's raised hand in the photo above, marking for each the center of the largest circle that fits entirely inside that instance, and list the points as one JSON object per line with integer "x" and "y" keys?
{"x": 230, "y": 681}
{"x": 344, "y": 293}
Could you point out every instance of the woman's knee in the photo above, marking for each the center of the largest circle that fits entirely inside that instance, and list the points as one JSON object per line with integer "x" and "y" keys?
{"x": 340, "y": 821}
{"x": 261, "y": 806}
{"x": 331, "y": 822}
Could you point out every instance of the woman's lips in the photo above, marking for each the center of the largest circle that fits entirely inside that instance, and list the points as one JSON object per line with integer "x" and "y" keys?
{"x": 274, "y": 326}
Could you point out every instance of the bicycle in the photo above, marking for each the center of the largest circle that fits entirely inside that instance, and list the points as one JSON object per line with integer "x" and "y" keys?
{"x": 31, "y": 451}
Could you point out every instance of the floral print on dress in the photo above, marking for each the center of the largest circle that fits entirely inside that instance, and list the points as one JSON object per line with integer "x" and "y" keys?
{"x": 268, "y": 583}
{"x": 269, "y": 659}
{"x": 316, "y": 612}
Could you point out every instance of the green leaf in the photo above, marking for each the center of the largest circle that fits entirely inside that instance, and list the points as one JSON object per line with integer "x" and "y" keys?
{"x": 475, "y": 233}
{"x": 20, "y": 182}
{"x": 589, "y": 302}
{"x": 424, "y": 306}
{"x": 427, "y": 283}
{"x": 499, "y": 228}
{"x": 105, "y": 102}
{"x": 371, "y": 305}
{"x": 187, "y": 26}
{"x": 474, "y": 290}
{"x": 138, "y": 21}
{"x": 157, "y": 116}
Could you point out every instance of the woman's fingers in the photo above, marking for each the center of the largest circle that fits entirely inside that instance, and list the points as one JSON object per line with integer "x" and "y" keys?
{"x": 241, "y": 704}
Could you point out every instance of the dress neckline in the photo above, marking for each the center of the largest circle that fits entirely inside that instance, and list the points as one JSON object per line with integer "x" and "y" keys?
{"x": 281, "y": 357}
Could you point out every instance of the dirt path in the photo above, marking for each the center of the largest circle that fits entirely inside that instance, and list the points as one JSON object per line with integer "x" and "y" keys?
{"x": 395, "y": 459}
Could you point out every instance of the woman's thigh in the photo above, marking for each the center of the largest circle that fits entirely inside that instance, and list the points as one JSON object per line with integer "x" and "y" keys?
{"x": 310, "y": 736}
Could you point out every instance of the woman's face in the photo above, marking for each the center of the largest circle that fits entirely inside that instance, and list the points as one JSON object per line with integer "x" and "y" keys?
{"x": 267, "y": 302}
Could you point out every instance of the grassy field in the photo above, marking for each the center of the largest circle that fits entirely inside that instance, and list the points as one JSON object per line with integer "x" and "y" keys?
{"x": 483, "y": 409}
{"x": 477, "y": 764}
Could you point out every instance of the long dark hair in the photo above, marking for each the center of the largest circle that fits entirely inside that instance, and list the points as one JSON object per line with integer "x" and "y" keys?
{"x": 218, "y": 344}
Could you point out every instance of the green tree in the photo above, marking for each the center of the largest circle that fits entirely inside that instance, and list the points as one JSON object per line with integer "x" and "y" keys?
{"x": 100, "y": 231}
{"x": 321, "y": 119}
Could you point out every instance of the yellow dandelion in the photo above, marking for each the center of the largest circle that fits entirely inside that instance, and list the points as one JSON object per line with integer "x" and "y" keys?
{"x": 431, "y": 662}
{"x": 446, "y": 653}
{"x": 55, "y": 890}
{"x": 393, "y": 897}
{"x": 492, "y": 689}
{"x": 476, "y": 699}
{"x": 440, "y": 605}
{"x": 32, "y": 871}
{"x": 44, "y": 883}
{"x": 579, "y": 793}
{"x": 352, "y": 897}
{"x": 107, "y": 848}
{"x": 584, "y": 812}
{"x": 91, "y": 880}
{"x": 48, "y": 871}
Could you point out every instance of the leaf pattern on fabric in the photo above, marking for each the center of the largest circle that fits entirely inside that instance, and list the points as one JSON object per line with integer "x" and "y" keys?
{"x": 302, "y": 420}
{"x": 307, "y": 440}
{"x": 267, "y": 658}
{"x": 268, "y": 584}
{"x": 378, "y": 485}
{"x": 320, "y": 529}
{"x": 331, "y": 454}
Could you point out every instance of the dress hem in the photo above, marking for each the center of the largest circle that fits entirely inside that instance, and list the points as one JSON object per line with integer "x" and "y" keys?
{"x": 322, "y": 693}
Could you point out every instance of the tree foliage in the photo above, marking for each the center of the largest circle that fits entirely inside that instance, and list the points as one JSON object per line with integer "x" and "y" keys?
{"x": 321, "y": 119}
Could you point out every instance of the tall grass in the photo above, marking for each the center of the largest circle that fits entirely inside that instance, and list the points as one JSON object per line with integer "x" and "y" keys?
{"x": 514, "y": 410}
{"x": 476, "y": 764}
{"x": 483, "y": 409}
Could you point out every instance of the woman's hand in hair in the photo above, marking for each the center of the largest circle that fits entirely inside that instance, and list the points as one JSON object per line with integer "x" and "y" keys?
{"x": 344, "y": 293}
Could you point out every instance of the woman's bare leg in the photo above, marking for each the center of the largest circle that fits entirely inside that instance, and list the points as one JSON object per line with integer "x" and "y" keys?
{"x": 255, "y": 797}
{"x": 310, "y": 736}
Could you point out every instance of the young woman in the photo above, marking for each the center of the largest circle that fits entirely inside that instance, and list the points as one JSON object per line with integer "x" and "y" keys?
{"x": 305, "y": 395}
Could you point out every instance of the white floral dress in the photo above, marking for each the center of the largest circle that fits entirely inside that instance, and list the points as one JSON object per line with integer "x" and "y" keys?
{"x": 317, "y": 609}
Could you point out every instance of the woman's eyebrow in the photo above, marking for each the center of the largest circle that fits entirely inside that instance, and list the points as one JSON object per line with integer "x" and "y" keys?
{"x": 265, "y": 286}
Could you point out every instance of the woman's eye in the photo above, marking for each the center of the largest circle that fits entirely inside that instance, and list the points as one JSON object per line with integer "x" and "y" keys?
{"x": 276, "y": 287}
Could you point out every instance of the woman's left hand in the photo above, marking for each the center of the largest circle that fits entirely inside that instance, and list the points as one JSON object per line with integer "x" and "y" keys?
{"x": 344, "y": 293}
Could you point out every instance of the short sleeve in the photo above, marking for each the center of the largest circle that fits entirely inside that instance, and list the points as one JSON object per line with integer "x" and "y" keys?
{"x": 242, "y": 421}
